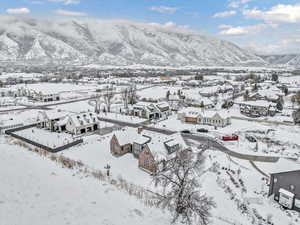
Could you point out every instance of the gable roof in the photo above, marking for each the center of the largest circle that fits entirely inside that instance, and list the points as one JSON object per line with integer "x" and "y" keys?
{"x": 83, "y": 119}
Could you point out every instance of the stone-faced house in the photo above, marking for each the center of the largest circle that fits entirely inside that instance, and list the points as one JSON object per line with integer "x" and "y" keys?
{"x": 128, "y": 140}
{"x": 150, "y": 148}
{"x": 204, "y": 117}
{"x": 119, "y": 146}
{"x": 161, "y": 148}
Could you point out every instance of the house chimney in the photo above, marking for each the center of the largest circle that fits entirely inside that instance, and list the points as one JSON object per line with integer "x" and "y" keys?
{"x": 140, "y": 129}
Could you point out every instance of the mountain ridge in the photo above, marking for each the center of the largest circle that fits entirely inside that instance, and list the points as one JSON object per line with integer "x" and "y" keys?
{"x": 282, "y": 59}
{"x": 114, "y": 42}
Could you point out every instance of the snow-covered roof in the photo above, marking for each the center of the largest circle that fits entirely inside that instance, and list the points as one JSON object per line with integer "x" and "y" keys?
{"x": 195, "y": 112}
{"x": 282, "y": 165}
{"x": 83, "y": 119}
{"x": 286, "y": 192}
{"x": 163, "y": 105}
{"x": 157, "y": 144}
{"x": 192, "y": 112}
{"x": 149, "y": 106}
{"x": 155, "y": 141}
{"x": 261, "y": 103}
{"x": 51, "y": 115}
{"x": 128, "y": 135}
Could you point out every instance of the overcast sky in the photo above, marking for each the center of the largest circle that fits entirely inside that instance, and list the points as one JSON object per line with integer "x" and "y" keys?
{"x": 266, "y": 26}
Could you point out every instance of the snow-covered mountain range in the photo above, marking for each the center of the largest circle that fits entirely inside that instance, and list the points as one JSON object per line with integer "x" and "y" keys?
{"x": 286, "y": 59}
{"x": 108, "y": 42}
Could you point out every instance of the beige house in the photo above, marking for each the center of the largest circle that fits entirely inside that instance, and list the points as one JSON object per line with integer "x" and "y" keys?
{"x": 204, "y": 117}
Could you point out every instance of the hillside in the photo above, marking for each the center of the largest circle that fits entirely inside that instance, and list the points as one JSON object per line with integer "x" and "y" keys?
{"x": 285, "y": 59}
{"x": 113, "y": 42}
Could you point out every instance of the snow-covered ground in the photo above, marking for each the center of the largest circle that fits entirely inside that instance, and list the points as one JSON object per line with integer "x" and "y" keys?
{"x": 36, "y": 191}
{"x": 275, "y": 140}
{"x": 46, "y": 137}
{"x": 95, "y": 152}
{"x": 121, "y": 117}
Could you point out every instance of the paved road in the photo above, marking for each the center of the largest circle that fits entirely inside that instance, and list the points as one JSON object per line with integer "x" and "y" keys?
{"x": 201, "y": 139}
{"x": 47, "y": 106}
{"x": 263, "y": 121}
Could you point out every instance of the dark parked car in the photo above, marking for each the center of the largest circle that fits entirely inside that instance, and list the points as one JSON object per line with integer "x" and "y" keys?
{"x": 185, "y": 131}
{"x": 251, "y": 138}
{"x": 202, "y": 130}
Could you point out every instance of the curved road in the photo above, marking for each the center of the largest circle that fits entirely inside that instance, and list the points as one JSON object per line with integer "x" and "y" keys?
{"x": 201, "y": 139}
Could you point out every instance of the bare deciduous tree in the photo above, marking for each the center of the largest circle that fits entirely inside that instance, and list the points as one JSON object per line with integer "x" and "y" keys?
{"x": 132, "y": 97}
{"x": 125, "y": 95}
{"x": 181, "y": 191}
{"x": 108, "y": 95}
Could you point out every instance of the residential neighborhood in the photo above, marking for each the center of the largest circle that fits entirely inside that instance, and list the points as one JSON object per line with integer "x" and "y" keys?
{"x": 149, "y": 112}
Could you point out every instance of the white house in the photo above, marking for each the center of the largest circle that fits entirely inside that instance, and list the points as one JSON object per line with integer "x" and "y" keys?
{"x": 48, "y": 119}
{"x": 204, "y": 117}
{"x": 258, "y": 108}
{"x": 39, "y": 95}
{"x": 79, "y": 123}
{"x": 151, "y": 110}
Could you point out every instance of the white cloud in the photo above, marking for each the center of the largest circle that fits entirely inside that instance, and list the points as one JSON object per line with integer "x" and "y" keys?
{"x": 171, "y": 24}
{"x": 164, "y": 9}
{"x": 239, "y": 30}
{"x": 69, "y": 13}
{"x": 36, "y": 2}
{"x": 288, "y": 46}
{"x": 238, "y": 3}
{"x": 277, "y": 14}
{"x": 18, "y": 11}
{"x": 66, "y": 2}
{"x": 224, "y": 26}
{"x": 291, "y": 41}
{"x": 224, "y": 14}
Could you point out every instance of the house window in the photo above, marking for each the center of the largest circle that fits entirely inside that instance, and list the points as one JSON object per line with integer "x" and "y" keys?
{"x": 146, "y": 163}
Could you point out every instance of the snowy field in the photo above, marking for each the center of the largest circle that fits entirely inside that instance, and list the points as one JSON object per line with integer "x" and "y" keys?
{"x": 25, "y": 76}
{"x": 122, "y": 117}
{"x": 158, "y": 92}
{"x": 36, "y": 191}
{"x": 75, "y": 107}
{"x": 230, "y": 188}
{"x": 95, "y": 152}
{"x": 48, "y": 189}
{"x": 46, "y": 137}
{"x": 57, "y": 87}
{"x": 22, "y": 116}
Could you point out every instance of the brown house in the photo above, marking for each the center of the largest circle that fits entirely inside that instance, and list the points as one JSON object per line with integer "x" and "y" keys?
{"x": 148, "y": 147}
{"x": 118, "y": 149}
{"x": 147, "y": 161}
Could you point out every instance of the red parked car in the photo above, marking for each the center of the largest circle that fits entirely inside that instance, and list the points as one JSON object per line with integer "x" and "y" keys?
{"x": 230, "y": 138}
